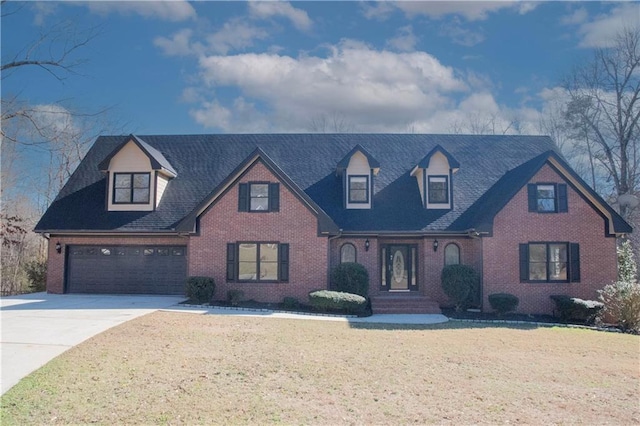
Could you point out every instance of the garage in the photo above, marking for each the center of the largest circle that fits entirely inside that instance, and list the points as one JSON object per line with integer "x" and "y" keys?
{"x": 110, "y": 269}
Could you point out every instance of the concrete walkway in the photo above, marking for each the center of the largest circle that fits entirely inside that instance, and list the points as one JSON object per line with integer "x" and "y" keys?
{"x": 38, "y": 327}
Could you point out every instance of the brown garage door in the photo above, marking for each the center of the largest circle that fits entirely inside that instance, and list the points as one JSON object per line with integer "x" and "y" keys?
{"x": 127, "y": 269}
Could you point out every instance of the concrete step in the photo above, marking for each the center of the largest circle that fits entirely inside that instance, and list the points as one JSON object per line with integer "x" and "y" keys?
{"x": 404, "y": 304}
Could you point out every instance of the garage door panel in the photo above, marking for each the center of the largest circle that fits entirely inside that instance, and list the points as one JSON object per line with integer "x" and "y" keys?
{"x": 127, "y": 269}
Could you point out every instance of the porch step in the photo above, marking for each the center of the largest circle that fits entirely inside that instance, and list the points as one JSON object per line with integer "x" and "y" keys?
{"x": 404, "y": 304}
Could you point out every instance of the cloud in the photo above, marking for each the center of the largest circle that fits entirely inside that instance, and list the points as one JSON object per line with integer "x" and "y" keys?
{"x": 179, "y": 44}
{"x": 601, "y": 31}
{"x": 174, "y": 10}
{"x": 470, "y": 10}
{"x": 379, "y": 10}
{"x": 404, "y": 41}
{"x": 460, "y": 35}
{"x": 267, "y": 9}
{"x": 577, "y": 17}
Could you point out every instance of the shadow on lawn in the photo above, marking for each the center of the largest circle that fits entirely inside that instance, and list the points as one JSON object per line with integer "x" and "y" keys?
{"x": 450, "y": 325}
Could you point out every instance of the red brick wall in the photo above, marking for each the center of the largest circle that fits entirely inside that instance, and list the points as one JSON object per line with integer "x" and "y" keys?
{"x": 55, "y": 261}
{"x": 515, "y": 225}
{"x": 293, "y": 224}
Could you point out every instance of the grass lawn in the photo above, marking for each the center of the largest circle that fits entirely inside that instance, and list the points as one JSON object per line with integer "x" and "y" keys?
{"x": 180, "y": 368}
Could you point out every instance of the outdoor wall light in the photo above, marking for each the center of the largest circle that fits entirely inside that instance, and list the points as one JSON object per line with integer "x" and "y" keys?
{"x": 58, "y": 247}
{"x": 435, "y": 245}
{"x": 367, "y": 244}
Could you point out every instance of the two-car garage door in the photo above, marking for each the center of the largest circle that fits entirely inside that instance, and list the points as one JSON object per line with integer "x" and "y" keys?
{"x": 127, "y": 269}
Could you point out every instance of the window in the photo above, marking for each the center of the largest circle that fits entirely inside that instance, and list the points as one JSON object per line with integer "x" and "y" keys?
{"x": 451, "y": 254}
{"x": 258, "y": 261}
{"x": 347, "y": 253}
{"x": 549, "y": 262}
{"x": 359, "y": 189}
{"x": 259, "y": 197}
{"x": 439, "y": 189}
{"x": 547, "y": 198}
{"x": 131, "y": 188}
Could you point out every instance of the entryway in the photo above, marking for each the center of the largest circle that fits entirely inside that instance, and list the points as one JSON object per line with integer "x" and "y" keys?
{"x": 399, "y": 267}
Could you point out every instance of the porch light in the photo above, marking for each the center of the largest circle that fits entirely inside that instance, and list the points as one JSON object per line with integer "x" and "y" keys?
{"x": 367, "y": 244}
{"x": 435, "y": 245}
{"x": 58, "y": 247}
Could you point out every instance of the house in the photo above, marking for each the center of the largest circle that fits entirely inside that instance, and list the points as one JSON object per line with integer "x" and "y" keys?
{"x": 272, "y": 214}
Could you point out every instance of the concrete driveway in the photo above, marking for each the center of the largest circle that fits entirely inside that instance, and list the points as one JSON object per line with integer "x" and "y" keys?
{"x": 38, "y": 327}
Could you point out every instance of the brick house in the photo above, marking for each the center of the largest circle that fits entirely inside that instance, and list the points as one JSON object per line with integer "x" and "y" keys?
{"x": 272, "y": 214}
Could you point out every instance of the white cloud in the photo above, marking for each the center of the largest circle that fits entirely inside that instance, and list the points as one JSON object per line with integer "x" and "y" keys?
{"x": 267, "y": 9}
{"x": 404, "y": 41}
{"x": 578, "y": 16}
{"x": 460, "y": 35}
{"x": 379, "y": 10}
{"x": 601, "y": 31}
{"x": 179, "y": 44}
{"x": 470, "y": 10}
{"x": 173, "y": 10}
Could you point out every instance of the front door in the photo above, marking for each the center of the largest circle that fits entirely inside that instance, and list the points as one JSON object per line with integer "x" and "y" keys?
{"x": 399, "y": 267}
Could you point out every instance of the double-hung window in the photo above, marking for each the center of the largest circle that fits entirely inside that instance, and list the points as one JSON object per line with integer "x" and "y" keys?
{"x": 438, "y": 189}
{"x": 257, "y": 262}
{"x": 547, "y": 197}
{"x": 259, "y": 197}
{"x": 359, "y": 189}
{"x": 549, "y": 262}
{"x": 131, "y": 188}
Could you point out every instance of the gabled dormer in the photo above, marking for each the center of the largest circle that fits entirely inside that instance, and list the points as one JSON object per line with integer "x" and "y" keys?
{"x": 357, "y": 170}
{"x": 137, "y": 176}
{"x": 434, "y": 174}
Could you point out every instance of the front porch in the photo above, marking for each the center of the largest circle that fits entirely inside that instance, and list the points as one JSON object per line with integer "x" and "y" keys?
{"x": 403, "y": 303}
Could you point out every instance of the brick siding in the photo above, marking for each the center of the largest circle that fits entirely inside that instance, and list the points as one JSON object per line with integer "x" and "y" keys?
{"x": 515, "y": 225}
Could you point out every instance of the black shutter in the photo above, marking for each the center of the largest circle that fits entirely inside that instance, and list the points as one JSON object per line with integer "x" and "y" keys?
{"x": 524, "y": 262}
{"x": 532, "y": 192}
{"x": 283, "y": 262}
{"x": 243, "y": 197}
{"x": 274, "y": 197}
{"x": 563, "y": 205}
{"x": 231, "y": 262}
{"x": 574, "y": 258}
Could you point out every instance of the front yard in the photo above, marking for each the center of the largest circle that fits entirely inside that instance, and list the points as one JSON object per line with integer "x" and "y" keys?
{"x": 179, "y": 368}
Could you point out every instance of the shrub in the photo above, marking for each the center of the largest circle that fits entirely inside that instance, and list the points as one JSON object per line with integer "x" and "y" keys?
{"x": 36, "y": 271}
{"x": 503, "y": 302}
{"x": 622, "y": 302}
{"x": 290, "y": 303}
{"x": 234, "y": 297}
{"x": 572, "y": 308}
{"x": 460, "y": 284}
{"x": 200, "y": 289}
{"x": 627, "y": 266}
{"x": 325, "y": 300}
{"x": 350, "y": 277}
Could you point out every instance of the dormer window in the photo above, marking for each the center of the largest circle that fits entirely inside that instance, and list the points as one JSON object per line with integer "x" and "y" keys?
{"x": 548, "y": 197}
{"x": 131, "y": 188}
{"x": 358, "y": 189}
{"x": 438, "y": 189}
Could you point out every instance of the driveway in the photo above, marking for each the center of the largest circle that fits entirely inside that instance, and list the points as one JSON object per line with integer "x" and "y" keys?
{"x": 38, "y": 327}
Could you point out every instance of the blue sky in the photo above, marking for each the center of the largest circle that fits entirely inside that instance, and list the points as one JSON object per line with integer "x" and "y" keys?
{"x": 210, "y": 67}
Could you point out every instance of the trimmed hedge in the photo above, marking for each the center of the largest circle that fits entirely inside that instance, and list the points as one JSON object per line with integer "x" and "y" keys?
{"x": 200, "y": 289}
{"x": 460, "y": 283}
{"x": 572, "y": 308}
{"x": 503, "y": 302}
{"x": 327, "y": 301}
{"x": 234, "y": 297}
{"x": 290, "y": 303}
{"x": 352, "y": 278}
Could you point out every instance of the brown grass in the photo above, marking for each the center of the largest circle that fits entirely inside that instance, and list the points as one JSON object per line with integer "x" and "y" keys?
{"x": 179, "y": 368}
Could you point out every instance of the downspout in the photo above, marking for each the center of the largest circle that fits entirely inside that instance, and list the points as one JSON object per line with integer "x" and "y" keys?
{"x": 338, "y": 235}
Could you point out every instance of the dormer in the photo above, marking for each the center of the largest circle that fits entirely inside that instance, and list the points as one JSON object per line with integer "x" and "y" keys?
{"x": 137, "y": 176}
{"x": 358, "y": 169}
{"x": 434, "y": 174}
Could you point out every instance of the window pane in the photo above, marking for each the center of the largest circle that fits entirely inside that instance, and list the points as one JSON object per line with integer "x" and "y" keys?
{"x": 123, "y": 195}
{"x": 546, "y": 198}
{"x": 546, "y": 205}
{"x": 538, "y": 271}
{"x": 163, "y": 252}
{"x": 348, "y": 253}
{"x": 537, "y": 252}
{"x": 269, "y": 271}
{"x": 259, "y": 190}
{"x": 259, "y": 204}
{"x": 141, "y": 180}
{"x": 247, "y": 265}
{"x": 148, "y": 252}
{"x": 358, "y": 188}
{"x": 558, "y": 262}
{"x": 123, "y": 180}
{"x": 451, "y": 255}
{"x": 141, "y": 195}
{"x": 546, "y": 191}
{"x": 269, "y": 252}
{"x": 558, "y": 252}
{"x": 438, "y": 190}
{"x": 105, "y": 251}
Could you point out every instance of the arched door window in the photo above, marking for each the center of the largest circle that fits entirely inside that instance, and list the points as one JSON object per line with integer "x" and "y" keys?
{"x": 347, "y": 253}
{"x": 451, "y": 254}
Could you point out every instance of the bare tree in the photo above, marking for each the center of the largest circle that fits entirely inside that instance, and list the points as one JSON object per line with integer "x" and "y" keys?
{"x": 604, "y": 111}
{"x": 333, "y": 122}
{"x": 481, "y": 123}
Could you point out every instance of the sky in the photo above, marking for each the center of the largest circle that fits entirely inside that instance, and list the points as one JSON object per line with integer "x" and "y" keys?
{"x": 249, "y": 67}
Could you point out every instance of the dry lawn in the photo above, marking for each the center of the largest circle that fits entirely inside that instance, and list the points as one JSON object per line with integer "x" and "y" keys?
{"x": 179, "y": 368}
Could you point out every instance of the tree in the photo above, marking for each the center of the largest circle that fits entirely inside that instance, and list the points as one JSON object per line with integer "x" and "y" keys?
{"x": 604, "y": 111}
{"x": 330, "y": 123}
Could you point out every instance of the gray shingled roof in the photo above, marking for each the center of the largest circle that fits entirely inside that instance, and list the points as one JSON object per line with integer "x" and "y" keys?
{"x": 202, "y": 162}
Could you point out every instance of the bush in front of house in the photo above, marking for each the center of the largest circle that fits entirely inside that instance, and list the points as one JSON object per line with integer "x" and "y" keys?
{"x": 234, "y": 297}
{"x": 460, "y": 283}
{"x": 331, "y": 301}
{"x": 622, "y": 303}
{"x": 200, "y": 289}
{"x": 572, "y": 308}
{"x": 290, "y": 303}
{"x": 36, "y": 271}
{"x": 350, "y": 277}
{"x": 503, "y": 302}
